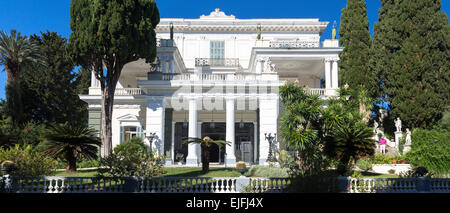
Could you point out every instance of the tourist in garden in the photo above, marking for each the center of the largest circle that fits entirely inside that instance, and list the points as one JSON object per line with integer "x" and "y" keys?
{"x": 382, "y": 145}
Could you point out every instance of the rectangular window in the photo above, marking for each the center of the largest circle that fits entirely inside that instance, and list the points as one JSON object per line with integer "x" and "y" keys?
{"x": 217, "y": 53}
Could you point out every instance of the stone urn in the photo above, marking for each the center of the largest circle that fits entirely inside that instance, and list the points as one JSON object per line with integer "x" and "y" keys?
{"x": 241, "y": 167}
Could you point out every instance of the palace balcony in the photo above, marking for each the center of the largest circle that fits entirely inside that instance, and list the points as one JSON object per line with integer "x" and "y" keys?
{"x": 217, "y": 62}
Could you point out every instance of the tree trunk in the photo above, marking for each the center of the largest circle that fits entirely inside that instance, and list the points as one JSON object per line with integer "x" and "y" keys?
{"x": 14, "y": 96}
{"x": 205, "y": 159}
{"x": 71, "y": 162}
{"x": 107, "y": 110}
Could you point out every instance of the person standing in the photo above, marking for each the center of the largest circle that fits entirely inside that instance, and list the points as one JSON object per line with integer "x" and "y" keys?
{"x": 383, "y": 145}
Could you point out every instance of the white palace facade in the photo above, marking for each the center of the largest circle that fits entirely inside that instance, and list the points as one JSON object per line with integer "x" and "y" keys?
{"x": 218, "y": 76}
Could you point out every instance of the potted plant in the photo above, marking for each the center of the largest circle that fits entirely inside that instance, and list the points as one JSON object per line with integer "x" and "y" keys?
{"x": 241, "y": 167}
{"x": 394, "y": 161}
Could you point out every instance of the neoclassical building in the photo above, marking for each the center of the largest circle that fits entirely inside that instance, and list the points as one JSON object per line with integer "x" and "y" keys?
{"x": 218, "y": 76}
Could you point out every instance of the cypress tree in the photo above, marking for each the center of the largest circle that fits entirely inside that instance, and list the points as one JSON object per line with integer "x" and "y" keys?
{"x": 387, "y": 40}
{"x": 355, "y": 38}
{"x": 418, "y": 83}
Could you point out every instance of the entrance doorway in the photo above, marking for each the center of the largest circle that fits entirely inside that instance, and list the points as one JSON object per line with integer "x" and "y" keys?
{"x": 216, "y": 131}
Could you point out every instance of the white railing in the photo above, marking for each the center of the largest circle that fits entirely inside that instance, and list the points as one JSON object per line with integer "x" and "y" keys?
{"x": 187, "y": 185}
{"x": 217, "y": 62}
{"x": 316, "y": 91}
{"x": 67, "y": 185}
{"x": 268, "y": 185}
{"x": 129, "y": 91}
{"x": 219, "y": 77}
{"x": 214, "y": 185}
{"x": 399, "y": 185}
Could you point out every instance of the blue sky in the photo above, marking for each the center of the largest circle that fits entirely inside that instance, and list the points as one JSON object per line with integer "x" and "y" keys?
{"x": 34, "y": 16}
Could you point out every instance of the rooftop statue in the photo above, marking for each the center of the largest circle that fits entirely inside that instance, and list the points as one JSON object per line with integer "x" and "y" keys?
{"x": 333, "y": 36}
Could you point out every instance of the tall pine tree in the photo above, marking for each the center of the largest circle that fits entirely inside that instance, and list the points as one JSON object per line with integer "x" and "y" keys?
{"x": 51, "y": 91}
{"x": 418, "y": 83}
{"x": 355, "y": 38}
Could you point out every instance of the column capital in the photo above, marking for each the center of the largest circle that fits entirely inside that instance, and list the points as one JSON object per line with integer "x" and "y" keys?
{"x": 332, "y": 59}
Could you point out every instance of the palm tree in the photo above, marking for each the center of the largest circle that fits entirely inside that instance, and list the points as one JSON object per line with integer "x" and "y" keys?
{"x": 16, "y": 52}
{"x": 349, "y": 140}
{"x": 205, "y": 144}
{"x": 71, "y": 143}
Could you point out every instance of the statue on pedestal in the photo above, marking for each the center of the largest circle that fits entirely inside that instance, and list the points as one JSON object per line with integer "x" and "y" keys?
{"x": 333, "y": 31}
{"x": 408, "y": 137}
{"x": 398, "y": 124}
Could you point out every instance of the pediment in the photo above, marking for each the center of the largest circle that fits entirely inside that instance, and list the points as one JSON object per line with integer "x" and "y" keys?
{"x": 129, "y": 117}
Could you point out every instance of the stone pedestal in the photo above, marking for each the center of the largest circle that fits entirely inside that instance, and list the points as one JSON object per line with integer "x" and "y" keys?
{"x": 398, "y": 137}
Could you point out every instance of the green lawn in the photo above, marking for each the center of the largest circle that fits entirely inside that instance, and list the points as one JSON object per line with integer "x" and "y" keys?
{"x": 79, "y": 173}
{"x": 197, "y": 172}
{"x": 169, "y": 172}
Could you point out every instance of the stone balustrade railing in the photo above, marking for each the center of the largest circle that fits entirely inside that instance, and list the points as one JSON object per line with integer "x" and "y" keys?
{"x": 218, "y": 77}
{"x": 129, "y": 91}
{"x": 118, "y": 91}
{"x": 214, "y": 185}
{"x": 399, "y": 185}
{"x": 217, "y": 62}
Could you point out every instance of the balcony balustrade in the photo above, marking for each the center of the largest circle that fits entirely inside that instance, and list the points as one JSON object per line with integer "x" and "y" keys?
{"x": 217, "y": 62}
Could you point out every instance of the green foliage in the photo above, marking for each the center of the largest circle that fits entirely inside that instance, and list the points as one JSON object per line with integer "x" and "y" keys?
{"x": 302, "y": 127}
{"x": 426, "y": 153}
{"x": 110, "y": 34}
{"x": 355, "y": 38}
{"x": 27, "y": 161}
{"x": 364, "y": 164}
{"x": 52, "y": 95}
{"x": 205, "y": 145}
{"x": 265, "y": 171}
{"x": 71, "y": 144}
{"x": 382, "y": 159}
{"x": 285, "y": 159}
{"x": 410, "y": 59}
{"x": 131, "y": 159}
{"x": 16, "y": 52}
{"x": 81, "y": 164}
{"x": 444, "y": 123}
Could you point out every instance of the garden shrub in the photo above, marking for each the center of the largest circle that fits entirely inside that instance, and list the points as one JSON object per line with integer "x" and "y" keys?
{"x": 364, "y": 164}
{"x": 428, "y": 154}
{"x": 285, "y": 159}
{"x": 28, "y": 162}
{"x": 382, "y": 159}
{"x": 264, "y": 171}
{"x": 131, "y": 159}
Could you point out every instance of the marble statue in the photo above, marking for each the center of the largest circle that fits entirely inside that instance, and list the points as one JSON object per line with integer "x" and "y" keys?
{"x": 375, "y": 126}
{"x": 258, "y": 29}
{"x": 268, "y": 66}
{"x": 333, "y": 36}
{"x": 408, "y": 137}
{"x": 398, "y": 124}
{"x": 171, "y": 31}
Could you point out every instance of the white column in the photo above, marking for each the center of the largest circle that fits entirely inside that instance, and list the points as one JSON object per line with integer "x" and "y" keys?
{"x": 259, "y": 66}
{"x": 155, "y": 122}
{"x": 230, "y": 134}
{"x": 192, "y": 158}
{"x": 327, "y": 73}
{"x": 335, "y": 75}
{"x": 268, "y": 120}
